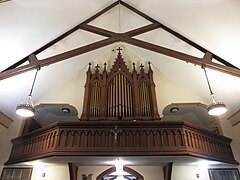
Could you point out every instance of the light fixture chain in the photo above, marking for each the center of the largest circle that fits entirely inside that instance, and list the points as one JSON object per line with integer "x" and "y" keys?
{"x": 210, "y": 89}
{"x": 30, "y": 94}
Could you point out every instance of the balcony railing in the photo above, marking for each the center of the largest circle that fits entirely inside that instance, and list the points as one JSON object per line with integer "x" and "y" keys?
{"x": 96, "y": 138}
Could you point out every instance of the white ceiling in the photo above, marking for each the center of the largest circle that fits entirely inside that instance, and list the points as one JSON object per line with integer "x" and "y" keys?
{"x": 27, "y": 25}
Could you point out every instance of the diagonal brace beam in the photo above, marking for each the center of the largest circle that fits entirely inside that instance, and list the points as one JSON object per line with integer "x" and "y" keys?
{"x": 205, "y": 61}
{"x": 56, "y": 58}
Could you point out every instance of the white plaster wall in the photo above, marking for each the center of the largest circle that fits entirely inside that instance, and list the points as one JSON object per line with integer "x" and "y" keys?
{"x": 189, "y": 173}
{"x": 3, "y": 132}
{"x": 5, "y": 139}
{"x": 233, "y": 133}
{"x": 148, "y": 172}
{"x": 52, "y": 172}
{"x": 94, "y": 170}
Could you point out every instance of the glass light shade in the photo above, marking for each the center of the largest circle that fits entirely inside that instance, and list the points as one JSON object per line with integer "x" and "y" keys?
{"x": 217, "y": 109}
{"x": 25, "y": 110}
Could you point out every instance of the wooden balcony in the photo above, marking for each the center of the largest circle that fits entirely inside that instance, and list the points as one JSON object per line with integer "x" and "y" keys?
{"x": 96, "y": 138}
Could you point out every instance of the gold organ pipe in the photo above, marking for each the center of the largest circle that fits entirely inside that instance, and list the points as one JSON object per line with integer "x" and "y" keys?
{"x": 108, "y": 101}
{"x": 95, "y": 103}
{"x": 120, "y": 95}
{"x": 128, "y": 100}
{"x": 141, "y": 98}
{"x": 147, "y": 99}
{"x": 131, "y": 100}
{"x": 99, "y": 95}
{"x": 149, "y": 102}
{"x": 116, "y": 91}
{"x": 122, "y": 84}
{"x": 111, "y": 99}
{"x": 114, "y": 97}
{"x": 94, "y": 99}
{"x": 144, "y": 96}
{"x": 125, "y": 97}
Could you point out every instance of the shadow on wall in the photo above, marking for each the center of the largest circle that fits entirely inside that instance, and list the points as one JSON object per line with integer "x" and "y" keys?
{"x": 193, "y": 113}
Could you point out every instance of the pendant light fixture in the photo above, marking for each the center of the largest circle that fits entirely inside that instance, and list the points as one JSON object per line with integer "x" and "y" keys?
{"x": 27, "y": 109}
{"x": 215, "y": 108}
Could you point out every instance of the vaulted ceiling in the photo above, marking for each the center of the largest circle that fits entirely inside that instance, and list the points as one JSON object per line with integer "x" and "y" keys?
{"x": 201, "y": 29}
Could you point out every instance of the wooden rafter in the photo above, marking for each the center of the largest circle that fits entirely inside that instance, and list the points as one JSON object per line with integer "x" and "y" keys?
{"x": 127, "y": 37}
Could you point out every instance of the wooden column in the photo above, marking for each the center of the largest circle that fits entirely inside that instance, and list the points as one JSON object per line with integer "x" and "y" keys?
{"x": 167, "y": 171}
{"x": 73, "y": 171}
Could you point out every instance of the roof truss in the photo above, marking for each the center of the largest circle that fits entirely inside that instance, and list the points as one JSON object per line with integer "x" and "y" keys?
{"x": 127, "y": 37}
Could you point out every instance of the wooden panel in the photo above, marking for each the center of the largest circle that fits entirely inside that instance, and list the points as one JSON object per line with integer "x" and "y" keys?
{"x": 120, "y": 138}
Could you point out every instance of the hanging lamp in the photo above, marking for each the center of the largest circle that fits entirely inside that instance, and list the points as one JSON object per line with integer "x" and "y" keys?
{"x": 27, "y": 109}
{"x": 216, "y": 108}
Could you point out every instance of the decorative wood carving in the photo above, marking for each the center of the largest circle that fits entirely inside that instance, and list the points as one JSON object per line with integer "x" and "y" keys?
{"x": 140, "y": 138}
{"x": 120, "y": 94}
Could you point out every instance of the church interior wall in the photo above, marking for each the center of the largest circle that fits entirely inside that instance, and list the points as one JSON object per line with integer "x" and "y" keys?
{"x": 167, "y": 92}
{"x": 50, "y": 172}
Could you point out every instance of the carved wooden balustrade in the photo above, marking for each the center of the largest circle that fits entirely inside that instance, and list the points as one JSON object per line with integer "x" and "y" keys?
{"x": 144, "y": 138}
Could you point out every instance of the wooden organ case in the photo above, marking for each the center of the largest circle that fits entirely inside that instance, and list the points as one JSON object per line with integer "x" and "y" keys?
{"x": 120, "y": 94}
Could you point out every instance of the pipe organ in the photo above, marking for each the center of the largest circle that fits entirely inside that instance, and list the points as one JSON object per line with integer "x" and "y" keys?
{"x": 120, "y": 94}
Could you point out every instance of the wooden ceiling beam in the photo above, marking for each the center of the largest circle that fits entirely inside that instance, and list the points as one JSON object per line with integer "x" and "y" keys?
{"x": 205, "y": 61}
{"x": 178, "y": 35}
{"x": 142, "y": 30}
{"x": 56, "y": 58}
{"x": 97, "y": 30}
{"x": 125, "y": 37}
{"x": 25, "y": 59}
{"x": 101, "y": 12}
{"x": 163, "y": 50}
{"x": 138, "y": 12}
